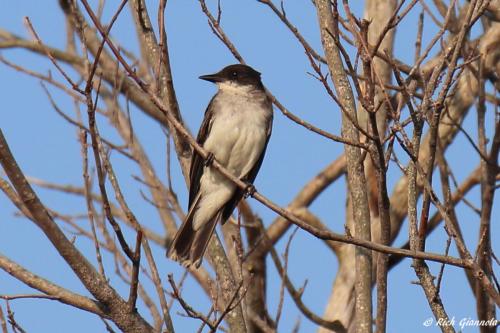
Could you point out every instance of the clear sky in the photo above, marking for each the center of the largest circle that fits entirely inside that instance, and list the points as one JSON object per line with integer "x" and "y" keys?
{"x": 45, "y": 147}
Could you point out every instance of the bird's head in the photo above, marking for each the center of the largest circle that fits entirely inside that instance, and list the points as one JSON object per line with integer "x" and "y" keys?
{"x": 235, "y": 76}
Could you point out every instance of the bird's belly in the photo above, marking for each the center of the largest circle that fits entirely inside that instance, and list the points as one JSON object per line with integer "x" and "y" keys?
{"x": 246, "y": 149}
{"x": 237, "y": 141}
{"x": 237, "y": 146}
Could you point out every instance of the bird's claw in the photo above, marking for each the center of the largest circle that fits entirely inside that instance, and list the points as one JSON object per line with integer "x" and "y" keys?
{"x": 250, "y": 191}
{"x": 209, "y": 159}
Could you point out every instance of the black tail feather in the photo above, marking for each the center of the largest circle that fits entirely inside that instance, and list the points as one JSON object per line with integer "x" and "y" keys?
{"x": 201, "y": 240}
{"x": 189, "y": 245}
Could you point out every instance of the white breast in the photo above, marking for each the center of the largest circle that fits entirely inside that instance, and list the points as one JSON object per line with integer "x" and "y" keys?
{"x": 239, "y": 129}
{"x": 237, "y": 138}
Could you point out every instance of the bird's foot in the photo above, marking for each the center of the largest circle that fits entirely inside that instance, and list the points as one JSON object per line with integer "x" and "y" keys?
{"x": 250, "y": 191}
{"x": 209, "y": 159}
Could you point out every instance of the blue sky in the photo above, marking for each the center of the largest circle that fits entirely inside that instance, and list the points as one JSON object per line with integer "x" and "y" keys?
{"x": 45, "y": 147}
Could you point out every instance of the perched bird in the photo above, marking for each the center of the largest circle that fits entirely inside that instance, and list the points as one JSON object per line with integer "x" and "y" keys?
{"x": 235, "y": 131}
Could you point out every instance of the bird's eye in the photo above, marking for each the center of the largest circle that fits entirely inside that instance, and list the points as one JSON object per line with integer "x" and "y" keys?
{"x": 234, "y": 74}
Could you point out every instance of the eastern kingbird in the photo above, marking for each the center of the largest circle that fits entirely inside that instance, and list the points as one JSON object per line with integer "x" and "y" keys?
{"x": 235, "y": 130}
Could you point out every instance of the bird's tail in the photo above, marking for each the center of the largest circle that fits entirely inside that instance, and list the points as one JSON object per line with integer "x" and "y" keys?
{"x": 189, "y": 244}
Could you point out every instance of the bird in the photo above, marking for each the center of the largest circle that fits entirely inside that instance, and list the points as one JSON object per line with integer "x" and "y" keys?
{"x": 235, "y": 132}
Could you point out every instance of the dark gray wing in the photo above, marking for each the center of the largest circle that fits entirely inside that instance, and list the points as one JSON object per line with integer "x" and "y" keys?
{"x": 197, "y": 161}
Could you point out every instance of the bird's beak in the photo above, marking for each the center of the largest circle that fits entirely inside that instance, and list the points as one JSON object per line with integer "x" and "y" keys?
{"x": 212, "y": 78}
